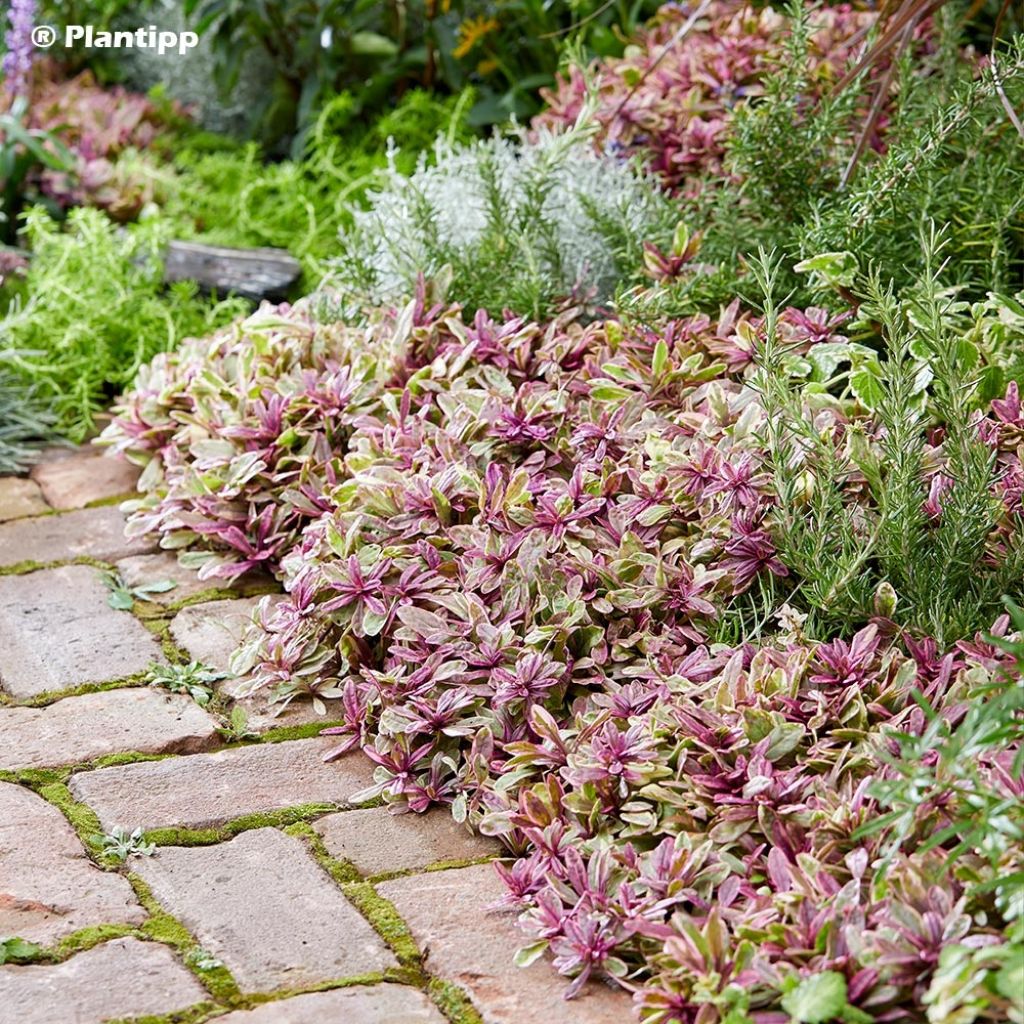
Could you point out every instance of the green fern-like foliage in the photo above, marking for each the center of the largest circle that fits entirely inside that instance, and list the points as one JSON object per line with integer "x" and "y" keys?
{"x": 95, "y": 310}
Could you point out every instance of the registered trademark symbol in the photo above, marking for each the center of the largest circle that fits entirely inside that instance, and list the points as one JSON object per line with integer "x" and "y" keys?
{"x": 44, "y": 36}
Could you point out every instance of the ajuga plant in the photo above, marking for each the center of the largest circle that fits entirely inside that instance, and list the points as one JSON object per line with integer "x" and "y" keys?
{"x": 521, "y": 223}
{"x": 895, "y": 497}
{"x": 95, "y": 310}
{"x": 509, "y": 549}
{"x": 671, "y": 98}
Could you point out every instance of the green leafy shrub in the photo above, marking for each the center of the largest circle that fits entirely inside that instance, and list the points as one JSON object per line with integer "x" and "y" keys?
{"x": 226, "y": 194}
{"x": 937, "y": 542}
{"x": 505, "y": 49}
{"x": 95, "y": 311}
{"x": 951, "y": 156}
{"x": 25, "y": 150}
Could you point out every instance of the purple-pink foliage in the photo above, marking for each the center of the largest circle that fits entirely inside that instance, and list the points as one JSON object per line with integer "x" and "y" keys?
{"x": 509, "y": 550}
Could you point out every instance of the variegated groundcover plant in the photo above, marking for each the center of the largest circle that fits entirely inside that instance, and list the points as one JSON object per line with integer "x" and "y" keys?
{"x": 513, "y": 554}
{"x": 701, "y": 613}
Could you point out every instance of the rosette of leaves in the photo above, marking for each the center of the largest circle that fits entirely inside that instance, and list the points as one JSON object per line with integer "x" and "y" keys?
{"x": 542, "y": 588}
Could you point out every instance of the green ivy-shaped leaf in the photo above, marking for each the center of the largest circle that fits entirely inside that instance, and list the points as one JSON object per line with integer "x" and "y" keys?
{"x": 817, "y": 999}
{"x": 867, "y": 388}
{"x": 15, "y": 950}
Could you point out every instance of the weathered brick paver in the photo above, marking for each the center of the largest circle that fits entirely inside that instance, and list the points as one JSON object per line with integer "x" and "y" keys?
{"x": 48, "y": 886}
{"x": 120, "y": 978}
{"x": 381, "y": 1004}
{"x": 263, "y": 906}
{"x": 208, "y": 789}
{"x": 57, "y": 631}
{"x": 376, "y": 841}
{"x": 139, "y": 570}
{"x": 446, "y": 911}
{"x": 211, "y": 631}
{"x": 20, "y": 497}
{"x": 164, "y": 565}
{"x": 93, "y": 532}
{"x": 85, "y": 476}
{"x": 78, "y": 729}
{"x": 259, "y": 902}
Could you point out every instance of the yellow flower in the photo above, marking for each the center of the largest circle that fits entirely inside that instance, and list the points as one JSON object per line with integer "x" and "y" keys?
{"x": 471, "y": 31}
{"x": 486, "y": 66}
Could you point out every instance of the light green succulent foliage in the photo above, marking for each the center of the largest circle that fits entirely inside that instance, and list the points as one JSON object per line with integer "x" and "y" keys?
{"x": 94, "y": 310}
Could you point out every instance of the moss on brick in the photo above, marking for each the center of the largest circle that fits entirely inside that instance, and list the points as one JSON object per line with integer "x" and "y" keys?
{"x": 246, "y": 823}
{"x": 193, "y": 1015}
{"x": 52, "y": 696}
{"x": 85, "y": 939}
{"x": 83, "y": 818}
{"x": 298, "y": 732}
{"x": 35, "y": 777}
{"x": 23, "y": 568}
{"x": 342, "y": 871}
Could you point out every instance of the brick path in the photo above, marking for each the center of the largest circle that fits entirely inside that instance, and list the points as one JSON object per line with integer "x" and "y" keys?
{"x": 268, "y": 899}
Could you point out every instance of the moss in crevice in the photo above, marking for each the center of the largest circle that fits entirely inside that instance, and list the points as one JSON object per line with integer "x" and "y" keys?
{"x": 441, "y": 865}
{"x": 453, "y": 1002}
{"x": 30, "y": 565}
{"x": 85, "y": 939}
{"x": 256, "y": 589}
{"x": 304, "y": 731}
{"x": 162, "y": 927}
{"x": 386, "y": 921}
{"x": 83, "y": 818}
{"x": 116, "y": 499}
{"x": 76, "y": 942}
{"x": 191, "y": 1015}
{"x": 41, "y": 700}
{"x": 246, "y": 823}
{"x": 35, "y": 777}
{"x": 341, "y": 871}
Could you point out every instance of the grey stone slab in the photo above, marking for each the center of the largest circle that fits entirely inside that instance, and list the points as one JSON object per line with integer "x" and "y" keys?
{"x": 361, "y": 1004}
{"x": 377, "y": 841}
{"x": 93, "y": 532}
{"x": 120, "y": 978}
{"x": 48, "y": 886}
{"x": 464, "y": 943}
{"x": 78, "y": 729}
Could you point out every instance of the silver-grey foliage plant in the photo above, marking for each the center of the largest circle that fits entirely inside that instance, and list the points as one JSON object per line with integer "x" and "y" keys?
{"x": 519, "y": 221}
